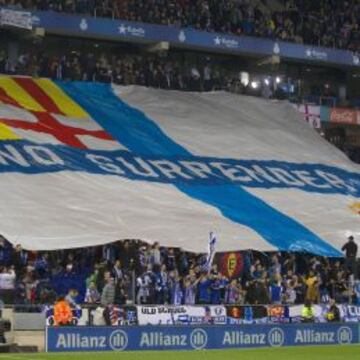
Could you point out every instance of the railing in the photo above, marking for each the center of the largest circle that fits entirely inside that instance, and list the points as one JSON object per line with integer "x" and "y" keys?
{"x": 104, "y": 12}
{"x": 181, "y": 315}
{"x": 328, "y": 101}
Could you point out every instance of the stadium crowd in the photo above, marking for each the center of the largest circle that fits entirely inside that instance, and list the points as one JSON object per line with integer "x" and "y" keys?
{"x": 150, "y": 70}
{"x": 327, "y": 23}
{"x": 150, "y": 274}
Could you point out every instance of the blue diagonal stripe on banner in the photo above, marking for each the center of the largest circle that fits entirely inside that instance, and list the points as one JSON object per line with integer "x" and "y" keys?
{"x": 141, "y": 135}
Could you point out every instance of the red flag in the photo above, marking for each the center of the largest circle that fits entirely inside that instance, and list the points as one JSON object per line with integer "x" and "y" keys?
{"x": 230, "y": 264}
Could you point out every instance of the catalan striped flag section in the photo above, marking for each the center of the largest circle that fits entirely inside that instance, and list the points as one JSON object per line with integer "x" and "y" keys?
{"x": 38, "y": 110}
{"x": 83, "y": 164}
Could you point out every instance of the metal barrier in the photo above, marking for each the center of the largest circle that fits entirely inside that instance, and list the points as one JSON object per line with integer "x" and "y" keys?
{"x": 104, "y": 12}
{"x": 162, "y": 315}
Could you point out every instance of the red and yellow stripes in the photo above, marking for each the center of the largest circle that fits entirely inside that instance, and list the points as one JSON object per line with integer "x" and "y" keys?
{"x": 41, "y": 95}
{"x": 64, "y": 103}
{"x": 35, "y": 95}
{"x": 33, "y": 106}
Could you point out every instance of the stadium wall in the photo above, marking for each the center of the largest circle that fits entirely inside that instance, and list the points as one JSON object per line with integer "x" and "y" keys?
{"x": 30, "y": 338}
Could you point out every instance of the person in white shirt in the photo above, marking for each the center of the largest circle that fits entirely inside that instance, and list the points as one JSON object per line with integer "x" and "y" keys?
{"x": 7, "y": 285}
{"x": 7, "y": 279}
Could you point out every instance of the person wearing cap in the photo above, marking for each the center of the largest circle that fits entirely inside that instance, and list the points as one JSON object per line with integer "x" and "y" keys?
{"x": 350, "y": 249}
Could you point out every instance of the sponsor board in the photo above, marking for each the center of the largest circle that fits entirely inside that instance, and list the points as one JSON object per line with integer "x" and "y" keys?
{"x": 128, "y": 30}
{"x": 18, "y": 19}
{"x": 316, "y": 54}
{"x": 343, "y": 116}
{"x": 61, "y": 339}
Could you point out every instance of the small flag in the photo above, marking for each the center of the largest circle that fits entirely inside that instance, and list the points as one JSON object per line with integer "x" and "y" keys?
{"x": 211, "y": 252}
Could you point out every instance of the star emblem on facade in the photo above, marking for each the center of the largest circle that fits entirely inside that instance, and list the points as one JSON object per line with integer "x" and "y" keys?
{"x": 217, "y": 40}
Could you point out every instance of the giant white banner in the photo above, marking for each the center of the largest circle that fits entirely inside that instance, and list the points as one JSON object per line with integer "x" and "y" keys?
{"x": 83, "y": 164}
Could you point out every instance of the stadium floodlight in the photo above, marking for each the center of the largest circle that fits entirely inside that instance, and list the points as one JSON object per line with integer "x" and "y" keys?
{"x": 159, "y": 47}
{"x": 39, "y": 31}
{"x": 244, "y": 78}
{"x": 254, "y": 84}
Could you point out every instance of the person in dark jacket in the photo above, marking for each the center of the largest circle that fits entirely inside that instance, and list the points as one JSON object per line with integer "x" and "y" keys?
{"x": 333, "y": 314}
{"x": 257, "y": 293}
{"x": 350, "y": 249}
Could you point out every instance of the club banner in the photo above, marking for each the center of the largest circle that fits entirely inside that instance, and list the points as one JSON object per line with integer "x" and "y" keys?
{"x": 271, "y": 314}
{"x": 187, "y": 315}
{"x": 18, "y": 19}
{"x": 139, "y": 338}
{"x": 230, "y": 264}
{"x": 310, "y": 113}
{"x": 350, "y": 313}
{"x": 200, "y": 315}
{"x": 94, "y": 315}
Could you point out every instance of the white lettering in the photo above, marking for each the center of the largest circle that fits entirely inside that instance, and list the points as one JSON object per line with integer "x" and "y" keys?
{"x": 43, "y": 155}
{"x": 257, "y": 170}
{"x": 285, "y": 177}
{"x": 105, "y": 164}
{"x": 145, "y": 341}
{"x": 169, "y": 169}
{"x": 199, "y": 169}
{"x": 13, "y": 155}
{"x": 306, "y": 177}
{"x": 61, "y": 341}
{"x": 231, "y": 173}
{"x": 241, "y": 338}
{"x": 315, "y": 337}
{"x": 334, "y": 180}
{"x": 145, "y": 169}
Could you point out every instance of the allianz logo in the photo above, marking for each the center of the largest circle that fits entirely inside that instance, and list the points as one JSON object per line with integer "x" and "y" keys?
{"x": 197, "y": 339}
{"x": 232, "y": 338}
{"x": 344, "y": 335}
{"x": 117, "y": 341}
{"x": 78, "y": 341}
{"x": 276, "y": 337}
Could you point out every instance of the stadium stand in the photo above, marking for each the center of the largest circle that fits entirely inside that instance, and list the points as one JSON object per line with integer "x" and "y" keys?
{"x": 92, "y": 149}
{"x": 328, "y": 23}
{"x": 170, "y": 276}
{"x": 152, "y": 71}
